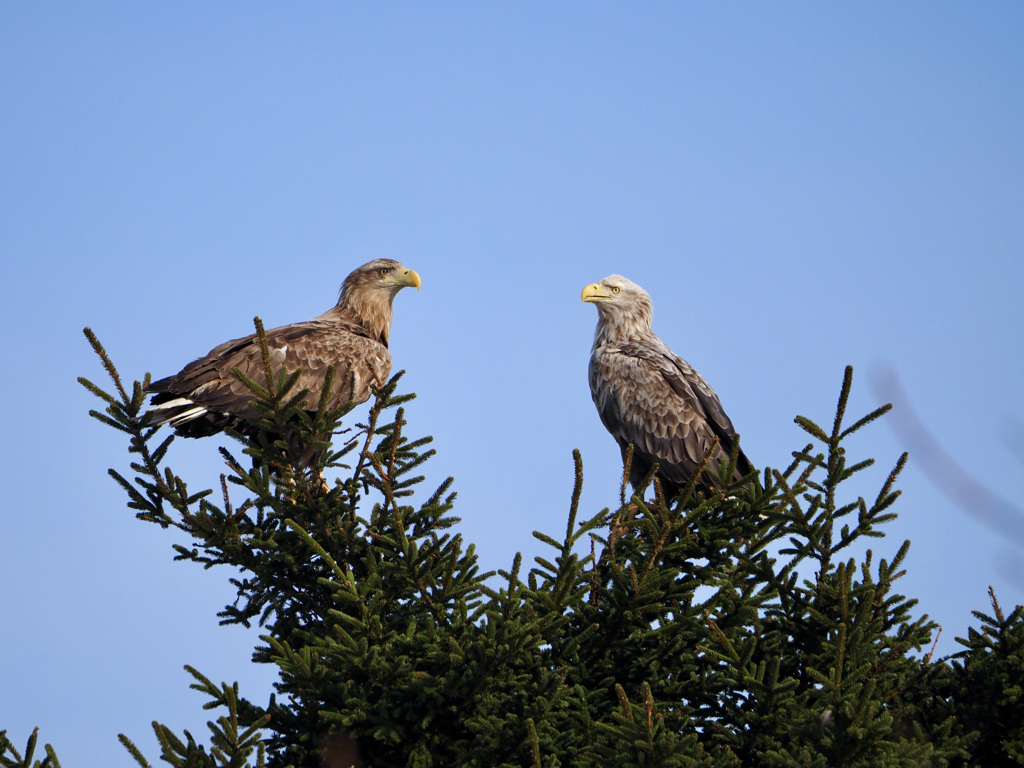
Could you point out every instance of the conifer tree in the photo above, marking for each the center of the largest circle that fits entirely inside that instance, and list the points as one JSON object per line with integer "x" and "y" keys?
{"x": 739, "y": 629}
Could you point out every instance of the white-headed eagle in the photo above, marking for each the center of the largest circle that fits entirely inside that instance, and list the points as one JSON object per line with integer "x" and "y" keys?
{"x": 205, "y": 397}
{"x": 650, "y": 397}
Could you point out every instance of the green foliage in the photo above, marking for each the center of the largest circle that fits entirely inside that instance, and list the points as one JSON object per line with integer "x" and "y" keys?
{"x": 738, "y": 629}
{"x": 234, "y": 737}
{"x": 991, "y": 699}
{"x": 10, "y": 757}
{"x": 980, "y": 694}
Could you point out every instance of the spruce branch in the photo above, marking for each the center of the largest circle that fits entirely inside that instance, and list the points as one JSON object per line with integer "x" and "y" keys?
{"x": 108, "y": 366}
{"x": 11, "y": 758}
{"x": 134, "y": 751}
{"x": 626, "y": 464}
{"x": 689, "y": 640}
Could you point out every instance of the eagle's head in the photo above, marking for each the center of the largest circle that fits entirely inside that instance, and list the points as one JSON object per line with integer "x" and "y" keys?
{"x": 623, "y": 309}
{"x": 367, "y": 293}
{"x": 616, "y": 296}
{"x": 379, "y": 278}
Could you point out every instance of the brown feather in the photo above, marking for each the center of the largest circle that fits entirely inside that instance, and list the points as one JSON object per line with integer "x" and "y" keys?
{"x": 205, "y": 397}
{"x": 649, "y": 397}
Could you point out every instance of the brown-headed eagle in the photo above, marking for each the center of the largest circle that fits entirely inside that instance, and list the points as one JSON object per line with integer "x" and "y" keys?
{"x": 651, "y": 398}
{"x": 205, "y": 397}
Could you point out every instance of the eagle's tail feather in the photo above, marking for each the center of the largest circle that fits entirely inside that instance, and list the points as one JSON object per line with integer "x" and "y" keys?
{"x": 181, "y": 410}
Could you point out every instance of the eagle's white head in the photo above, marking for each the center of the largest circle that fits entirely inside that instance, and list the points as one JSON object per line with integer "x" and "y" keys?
{"x": 624, "y": 309}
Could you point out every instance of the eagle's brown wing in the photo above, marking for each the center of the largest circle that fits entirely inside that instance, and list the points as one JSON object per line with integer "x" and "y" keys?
{"x": 655, "y": 400}
{"x": 205, "y": 397}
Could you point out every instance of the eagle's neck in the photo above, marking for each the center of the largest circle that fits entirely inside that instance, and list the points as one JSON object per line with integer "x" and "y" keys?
{"x": 369, "y": 309}
{"x": 615, "y": 326}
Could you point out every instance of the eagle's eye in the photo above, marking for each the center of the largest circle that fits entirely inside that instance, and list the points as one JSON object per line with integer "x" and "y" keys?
{"x": 383, "y": 271}
{"x": 615, "y": 289}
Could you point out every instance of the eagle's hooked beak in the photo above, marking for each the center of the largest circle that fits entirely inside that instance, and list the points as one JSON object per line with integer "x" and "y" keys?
{"x": 594, "y": 292}
{"x": 410, "y": 277}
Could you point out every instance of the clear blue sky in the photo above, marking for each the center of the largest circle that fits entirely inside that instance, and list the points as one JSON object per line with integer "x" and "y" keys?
{"x": 799, "y": 186}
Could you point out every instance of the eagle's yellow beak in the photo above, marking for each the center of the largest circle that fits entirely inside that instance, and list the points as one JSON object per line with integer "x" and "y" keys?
{"x": 593, "y": 292}
{"x": 410, "y": 277}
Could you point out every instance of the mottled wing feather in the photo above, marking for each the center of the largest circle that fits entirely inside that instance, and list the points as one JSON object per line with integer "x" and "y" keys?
{"x": 309, "y": 346}
{"x": 655, "y": 400}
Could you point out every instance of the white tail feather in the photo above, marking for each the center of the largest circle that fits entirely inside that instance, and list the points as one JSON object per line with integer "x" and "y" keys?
{"x": 170, "y": 404}
{"x": 187, "y": 416}
{"x": 174, "y": 412}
